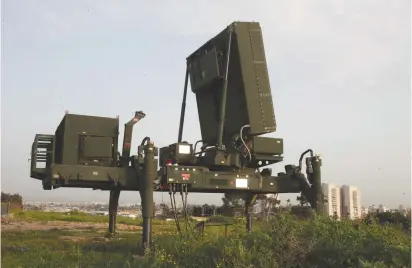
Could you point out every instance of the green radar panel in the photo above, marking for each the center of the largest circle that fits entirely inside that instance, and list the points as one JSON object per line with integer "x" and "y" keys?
{"x": 249, "y": 97}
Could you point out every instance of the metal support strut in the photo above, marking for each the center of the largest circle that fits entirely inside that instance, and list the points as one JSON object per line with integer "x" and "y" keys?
{"x": 222, "y": 115}
{"x": 182, "y": 112}
{"x": 146, "y": 193}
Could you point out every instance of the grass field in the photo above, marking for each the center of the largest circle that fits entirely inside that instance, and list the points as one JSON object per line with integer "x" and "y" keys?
{"x": 282, "y": 242}
{"x": 73, "y": 216}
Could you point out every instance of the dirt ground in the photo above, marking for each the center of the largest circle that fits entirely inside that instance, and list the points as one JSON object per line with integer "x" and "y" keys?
{"x": 17, "y": 225}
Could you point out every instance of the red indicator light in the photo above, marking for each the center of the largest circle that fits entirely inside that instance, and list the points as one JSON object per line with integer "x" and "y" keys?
{"x": 164, "y": 187}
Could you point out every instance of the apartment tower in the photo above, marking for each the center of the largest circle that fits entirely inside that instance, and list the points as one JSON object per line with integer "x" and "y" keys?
{"x": 351, "y": 202}
{"x": 331, "y": 193}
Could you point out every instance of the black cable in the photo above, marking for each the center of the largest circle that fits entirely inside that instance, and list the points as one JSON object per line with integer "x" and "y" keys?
{"x": 177, "y": 217}
{"x": 186, "y": 193}
{"x": 185, "y": 204}
{"x": 194, "y": 149}
{"x": 203, "y": 149}
{"x": 176, "y": 212}
{"x": 171, "y": 202}
{"x": 173, "y": 209}
{"x": 146, "y": 139}
{"x": 184, "y": 207}
{"x": 302, "y": 155}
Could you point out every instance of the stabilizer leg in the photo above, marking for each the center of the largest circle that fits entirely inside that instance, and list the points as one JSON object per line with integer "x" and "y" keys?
{"x": 249, "y": 202}
{"x": 113, "y": 206}
{"x": 146, "y": 193}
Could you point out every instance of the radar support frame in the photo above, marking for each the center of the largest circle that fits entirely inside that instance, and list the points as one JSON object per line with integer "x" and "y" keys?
{"x": 220, "y": 168}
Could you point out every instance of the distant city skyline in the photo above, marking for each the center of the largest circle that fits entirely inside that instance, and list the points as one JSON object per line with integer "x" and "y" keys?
{"x": 193, "y": 200}
{"x": 283, "y": 203}
{"x": 339, "y": 73}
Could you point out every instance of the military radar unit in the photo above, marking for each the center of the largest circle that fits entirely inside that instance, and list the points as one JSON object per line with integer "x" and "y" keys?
{"x": 229, "y": 77}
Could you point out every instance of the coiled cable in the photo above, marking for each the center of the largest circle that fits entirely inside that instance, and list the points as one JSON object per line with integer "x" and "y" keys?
{"x": 243, "y": 141}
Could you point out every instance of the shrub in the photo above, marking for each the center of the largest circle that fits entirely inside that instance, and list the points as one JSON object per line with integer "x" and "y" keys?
{"x": 288, "y": 242}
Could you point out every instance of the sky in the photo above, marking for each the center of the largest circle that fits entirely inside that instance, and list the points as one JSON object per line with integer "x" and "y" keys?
{"x": 339, "y": 72}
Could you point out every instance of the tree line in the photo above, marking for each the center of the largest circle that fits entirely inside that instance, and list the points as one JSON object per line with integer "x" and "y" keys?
{"x": 11, "y": 198}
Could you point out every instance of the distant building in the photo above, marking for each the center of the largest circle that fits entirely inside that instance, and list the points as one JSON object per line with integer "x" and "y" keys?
{"x": 402, "y": 210}
{"x": 373, "y": 209}
{"x": 351, "y": 202}
{"x": 364, "y": 212}
{"x": 382, "y": 209}
{"x": 331, "y": 193}
{"x": 264, "y": 207}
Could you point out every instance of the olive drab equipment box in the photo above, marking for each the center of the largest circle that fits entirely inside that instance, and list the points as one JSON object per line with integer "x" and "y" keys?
{"x": 87, "y": 140}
